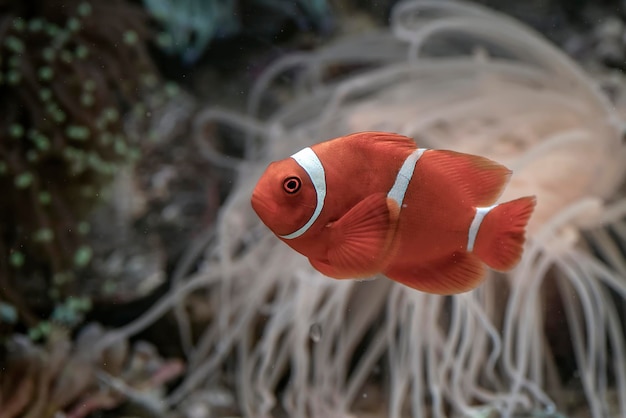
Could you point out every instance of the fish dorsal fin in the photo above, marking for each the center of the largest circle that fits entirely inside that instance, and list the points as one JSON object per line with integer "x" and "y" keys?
{"x": 360, "y": 240}
{"x": 481, "y": 179}
{"x": 389, "y": 139}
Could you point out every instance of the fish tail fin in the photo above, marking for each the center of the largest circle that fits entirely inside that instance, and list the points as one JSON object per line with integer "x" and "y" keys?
{"x": 499, "y": 238}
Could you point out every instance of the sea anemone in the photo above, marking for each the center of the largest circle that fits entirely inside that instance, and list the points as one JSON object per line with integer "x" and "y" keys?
{"x": 457, "y": 76}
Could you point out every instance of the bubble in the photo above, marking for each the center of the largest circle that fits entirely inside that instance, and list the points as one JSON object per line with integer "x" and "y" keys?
{"x": 315, "y": 332}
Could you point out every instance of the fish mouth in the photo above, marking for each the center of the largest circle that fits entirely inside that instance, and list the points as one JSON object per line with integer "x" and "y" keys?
{"x": 260, "y": 206}
{"x": 269, "y": 213}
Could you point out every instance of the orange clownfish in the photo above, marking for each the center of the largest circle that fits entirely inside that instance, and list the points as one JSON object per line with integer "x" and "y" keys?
{"x": 373, "y": 202}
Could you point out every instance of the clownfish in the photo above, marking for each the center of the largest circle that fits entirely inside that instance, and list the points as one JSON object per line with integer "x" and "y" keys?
{"x": 373, "y": 202}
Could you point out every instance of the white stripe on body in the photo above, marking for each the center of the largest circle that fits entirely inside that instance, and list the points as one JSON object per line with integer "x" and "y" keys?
{"x": 308, "y": 160}
{"x": 404, "y": 176}
{"x": 475, "y": 226}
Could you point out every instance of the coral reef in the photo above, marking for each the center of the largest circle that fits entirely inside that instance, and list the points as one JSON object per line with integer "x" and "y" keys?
{"x": 72, "y": 379}
{"x": 191, "y": 25}
{"x": 69, "y": 73}
{"x": 453, "y": 75}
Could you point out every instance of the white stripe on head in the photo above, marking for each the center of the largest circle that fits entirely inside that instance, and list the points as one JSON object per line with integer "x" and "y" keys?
{"x": 308, "y": 160}
{"x": 475, "y": 226}
{"x": 404, "y": 176}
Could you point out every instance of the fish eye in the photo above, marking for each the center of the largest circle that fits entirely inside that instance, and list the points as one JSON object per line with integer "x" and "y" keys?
{"x": 292, "y": 184}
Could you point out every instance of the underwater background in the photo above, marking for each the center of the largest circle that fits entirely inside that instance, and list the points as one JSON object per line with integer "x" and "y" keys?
{"x": 136, "y": 281}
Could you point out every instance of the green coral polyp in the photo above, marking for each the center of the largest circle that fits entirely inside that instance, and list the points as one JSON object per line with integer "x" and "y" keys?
{"x": 51, "y": 29}
{"x": 94, "y": 161}
{"x": 35, "y": 25}
{"x": 43, "y": 235}
{"x": 110, "y": 114}
{"x": 131, "y": 37}
{"x": 120, "y": 146}
{"x": 45, "y": 198}
{"x": 84, "y": 9}
{"x": 13, "y": 77}
{"x": 45, "y": 94}
{"x": 82, "y": 257}
{"x": 8, "y": 313}
{"x": 41, "y": 142}
{"x": 46, "y": 73}
{"x": 81, "y": 52}
{"x": 19, "y": 24}
{"x": 79, "y": 133}
{"x": 24, "y": 180}
{"x": 84, "y": 228}
{"x": 73, "y": 24}
{"x": 58, "y": 115}
{"x": 14, "y": 44}
{"x": 134, "y": 154}
{"x": 17, "y": 259}
{"x": 16, "y": 131}
{"x": 164, "y": 40}
{"x": 61, "y": 278}
{"x": 71, "y": 311}
{"x": 87, "y": 100}
{"x": 172, "y": 90}
{"x": 89, "y": 85}
{"x": 62, "y": 105}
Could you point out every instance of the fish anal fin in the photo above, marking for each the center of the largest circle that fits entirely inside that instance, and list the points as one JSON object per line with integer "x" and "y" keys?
{"x": 481, "y": 179}
{"x": 458, "y": 273}
{"x": 360, "y": 240}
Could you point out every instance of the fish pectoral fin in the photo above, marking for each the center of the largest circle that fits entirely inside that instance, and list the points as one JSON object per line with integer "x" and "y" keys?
{"x": 327, "y": 270}
{"x": 360, "y": 240}
{"x": 481, "y": 179}
{"x": 458, "y": 273}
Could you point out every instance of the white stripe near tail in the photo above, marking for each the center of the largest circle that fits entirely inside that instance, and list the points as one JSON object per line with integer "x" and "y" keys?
{"x": 475, "y": 226}
{"x": 499, "y": 233}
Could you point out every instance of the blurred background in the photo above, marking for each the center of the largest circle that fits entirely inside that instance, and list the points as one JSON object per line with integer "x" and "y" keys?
{"x": 119, "y": 149}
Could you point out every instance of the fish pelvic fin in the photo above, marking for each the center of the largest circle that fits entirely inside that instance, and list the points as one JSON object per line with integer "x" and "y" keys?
{"x": 360, "y": 241}
{"x": 500, "y": 237}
